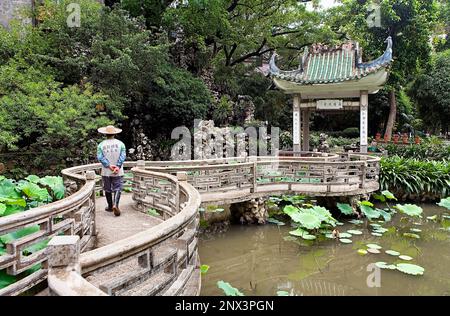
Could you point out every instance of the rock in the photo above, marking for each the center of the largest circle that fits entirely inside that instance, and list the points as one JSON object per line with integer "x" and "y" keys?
{"x": 250, "y": 212}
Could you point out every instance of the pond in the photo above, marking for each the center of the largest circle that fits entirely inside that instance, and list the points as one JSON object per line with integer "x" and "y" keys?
{"x": 261, "y": 260}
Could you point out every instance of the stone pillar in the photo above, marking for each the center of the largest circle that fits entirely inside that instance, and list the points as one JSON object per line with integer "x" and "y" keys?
{"x": 140, "y": 164}
{"x": 305, "y": 127}
{"x": 296, "y": 124}
{"x": 63, "y": 254}
{"x": 364, "y": 112}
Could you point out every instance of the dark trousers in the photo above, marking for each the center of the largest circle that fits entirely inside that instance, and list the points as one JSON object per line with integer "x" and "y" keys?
{"x": 112, "y": 184}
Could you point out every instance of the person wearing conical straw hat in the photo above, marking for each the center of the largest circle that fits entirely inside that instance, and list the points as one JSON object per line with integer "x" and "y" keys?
{"x": 111, "y": 153}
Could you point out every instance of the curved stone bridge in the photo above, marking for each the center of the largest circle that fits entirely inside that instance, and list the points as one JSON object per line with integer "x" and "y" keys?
{"x": 91, "y": 252}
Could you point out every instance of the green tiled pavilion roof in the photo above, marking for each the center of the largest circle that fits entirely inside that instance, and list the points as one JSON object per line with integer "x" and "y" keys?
{"x": 323, "y": 65}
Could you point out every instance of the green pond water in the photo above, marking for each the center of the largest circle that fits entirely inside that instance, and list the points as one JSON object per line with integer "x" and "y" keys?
{"x": 258, "y": 260}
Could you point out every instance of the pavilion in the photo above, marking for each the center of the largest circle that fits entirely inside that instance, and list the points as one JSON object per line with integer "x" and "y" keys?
{"x": 332, "y": 78}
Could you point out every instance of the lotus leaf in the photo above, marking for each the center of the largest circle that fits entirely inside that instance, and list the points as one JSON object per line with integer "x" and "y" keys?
{"x": 275, "y": 221}
{"x": 282, "y": 293}
{"x": 410, "y": 269}
{"x": 345, "y": 241}
{"x": 345, "y": 209}
{"x": 445, "y": 203}
{"x": 405, "y": 257}
{"x": 362, "y": 252}
{"x": 309, "y": 219}
{"x": 345, "y": 235}
{"x": 356, "y": 221}
{"x": 228, "y": 289}
{"x": 411, "y": 235}
{"x": 374, "y": 251}
{"x": 354, "y": 232}
{"x": 377, "y": 234}
{"x": 369, "y": 212}
{"x": 204, "y": 268}
{"x": 392, "y": 252}
{"x": 374, "y": 246}
{"x": 389, "y": 195}
{"x": 410, "y": 209}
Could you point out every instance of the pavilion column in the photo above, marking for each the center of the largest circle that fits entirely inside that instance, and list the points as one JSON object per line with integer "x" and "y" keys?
{"x": 305, "y": 127}
{"x": 364, "y": 112}
{"x": 296, "y": 124}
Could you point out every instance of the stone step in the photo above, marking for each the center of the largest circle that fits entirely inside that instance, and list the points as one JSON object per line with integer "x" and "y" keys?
{"x": 178, "y": 286}
{"x": 152, "y": 286}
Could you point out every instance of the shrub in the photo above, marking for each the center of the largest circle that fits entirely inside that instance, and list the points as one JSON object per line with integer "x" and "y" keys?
{"x": 415, "y": 179}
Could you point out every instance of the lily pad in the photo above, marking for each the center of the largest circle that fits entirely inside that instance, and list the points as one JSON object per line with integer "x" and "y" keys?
{"x": 411, "y": 235}
{"x": 282, "y": 293}
{"x": 374, "y": 246}
{"x": 375, "y": 225}
{"x": 275, "y": 221}
{"x": 308, "y": 237}
{"x": 345, "y": 235}
{"x": 354, "y": 232}
{"x": 405, "y": 257}
{"x": 330, "y": 236}
{"x": 416, "y": 230}
{"x": 381, "y": 264}
{"x": 374, "y": 251}
{"x": 410, "y": 269}
{"x": 380, "y": 230}
{"x": 393, "y": 253}
{"x": 345, "y": 241}
{"x": 362, "y": 252}
{"x": 228, "y": 289}
{"x": 204, "y": 268}
{"x": 432, "y": 218}
{"x": 356, "y": 221}
{"x": 377, "y": 234}
{"x": 339, "y": 224}
{"x": 410, "y": 209}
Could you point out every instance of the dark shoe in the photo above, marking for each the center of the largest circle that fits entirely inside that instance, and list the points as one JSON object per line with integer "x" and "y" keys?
{"x": 116, "y": 210}
{"x": 109, "y": 200}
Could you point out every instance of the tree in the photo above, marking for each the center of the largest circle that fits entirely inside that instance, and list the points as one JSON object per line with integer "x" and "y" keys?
{"x": 410, "y": 23}
{"x": 431, "y": 90}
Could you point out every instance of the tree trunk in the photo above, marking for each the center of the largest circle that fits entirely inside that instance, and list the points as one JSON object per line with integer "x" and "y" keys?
{"x": 392, "y": 114}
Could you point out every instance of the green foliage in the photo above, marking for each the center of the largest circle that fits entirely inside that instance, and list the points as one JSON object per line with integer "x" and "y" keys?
{"x": 414, "y": 179}
{"x": 445, "y": 203}
{"x": 351, "y": 132}
{"x": 18, "y": 196}
{"x": 204, "y": 268}
{"x": 310, "y": 218}
{"x": 410, "y": 210}
{"x": 228, "y": 289}
{"x": 426, "y": 150}
{"x": 431, "y": 90}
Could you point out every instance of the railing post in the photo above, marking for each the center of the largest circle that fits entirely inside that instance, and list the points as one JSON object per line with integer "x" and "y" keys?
{"x": 253, "y": 170}
{"x": 63, "y": 256}
{"x": 141, "y": 164}
{"x": 90, "y": 176}
{"x": 182, "y": 177}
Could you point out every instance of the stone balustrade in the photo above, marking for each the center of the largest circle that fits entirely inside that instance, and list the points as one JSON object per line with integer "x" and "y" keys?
{"x": 162, "y": 260}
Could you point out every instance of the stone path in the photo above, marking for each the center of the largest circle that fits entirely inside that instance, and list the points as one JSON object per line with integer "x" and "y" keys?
{"x": 111, "y": 228}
